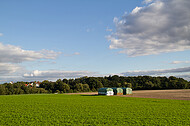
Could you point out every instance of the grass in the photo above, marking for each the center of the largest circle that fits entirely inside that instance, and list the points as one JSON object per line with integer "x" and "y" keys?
{"x": 91, "y": 110}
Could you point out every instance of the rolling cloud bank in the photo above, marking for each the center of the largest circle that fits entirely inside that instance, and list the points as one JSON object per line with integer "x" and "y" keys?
{"x": 161, "y": 26}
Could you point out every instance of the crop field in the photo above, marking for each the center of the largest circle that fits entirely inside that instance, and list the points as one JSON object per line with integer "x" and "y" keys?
{"x": 61, "y": 109}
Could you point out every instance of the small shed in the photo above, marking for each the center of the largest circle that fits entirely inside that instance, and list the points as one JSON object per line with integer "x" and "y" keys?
{"x": 105, "y": 91}
{"x": 127, "y": 91}
{"x": 118, "y": 91}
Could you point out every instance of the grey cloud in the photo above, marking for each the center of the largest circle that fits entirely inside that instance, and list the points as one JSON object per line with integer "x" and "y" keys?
{"x": 185, "y": 76}
{"x": 162, "y": 26}
{"x": 7, "y": 68}
{"x": 156, "y": 72}
{"x": 7, "y": 79}
{"x": 179, "y": 62}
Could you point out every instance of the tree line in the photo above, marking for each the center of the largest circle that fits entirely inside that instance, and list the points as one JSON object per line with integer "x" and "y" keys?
{"x": 88, "y": 84}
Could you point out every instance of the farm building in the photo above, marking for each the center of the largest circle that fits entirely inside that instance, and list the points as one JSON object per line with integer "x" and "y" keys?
{"x": 105, "y": 91}
{"x": 118, "y": 91}
{"x": 127, "y": 91}
{"x": 37, "y": 85}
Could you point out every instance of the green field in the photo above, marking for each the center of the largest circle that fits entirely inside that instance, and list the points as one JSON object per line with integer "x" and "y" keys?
{"x": 91, "y": 110}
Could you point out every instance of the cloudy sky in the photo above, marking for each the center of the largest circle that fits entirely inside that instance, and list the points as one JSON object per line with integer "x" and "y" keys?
{"x": 51, "y": 39}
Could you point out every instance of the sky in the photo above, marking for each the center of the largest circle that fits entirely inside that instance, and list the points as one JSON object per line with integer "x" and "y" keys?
{"x": 52, "y": 39}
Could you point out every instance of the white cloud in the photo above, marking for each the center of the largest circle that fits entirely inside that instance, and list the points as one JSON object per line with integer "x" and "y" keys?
{"x": 1, "y": 34}
{"x": 11, "y": 55}
{"x": 156, "y": 72}
{"x": 179, "y": 62}
{"x": 55, "y": 74}
{"x": 76, "y": 53}
{"x": 162, "y": 26}
{"x": 136, "y": 10}
{"x": 147, "y": 1}
{"x": 73, "y": 54}
{"x": 108, "y": 29}
{"x": 89, "y": 29}
{"x": 15, "y": 54}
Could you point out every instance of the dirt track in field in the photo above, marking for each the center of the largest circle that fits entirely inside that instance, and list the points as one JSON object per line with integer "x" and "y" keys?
{"x": 178, "y": 94}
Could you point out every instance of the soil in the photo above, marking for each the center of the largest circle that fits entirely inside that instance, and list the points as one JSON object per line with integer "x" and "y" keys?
{"x": 178, "y": 94}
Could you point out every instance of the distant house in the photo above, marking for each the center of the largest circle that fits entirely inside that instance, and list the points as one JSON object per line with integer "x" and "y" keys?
{"x": 37, "y": 85}
{"x": 31, "y": 84}
{"x": 114, "y": 91}
{"x": 127, "y": 91}
{"x": 117, "y": 91}
{"x": 105, "y": 91}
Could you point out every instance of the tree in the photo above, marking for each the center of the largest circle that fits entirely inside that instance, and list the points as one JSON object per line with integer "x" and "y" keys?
{"x": 60, "y": 86}
{"x": 85, "y": 84}
{"x": 2, "y": 90}
{"x": 79, "y": 87}
{"x": 64, "y": 87}
{"x": 148, "y": 85}
{"x": 65, "y": 81}
{"x": 128, "y": 85}
{"x": 86, "y": 88}
{"x": 98, "y": 85}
